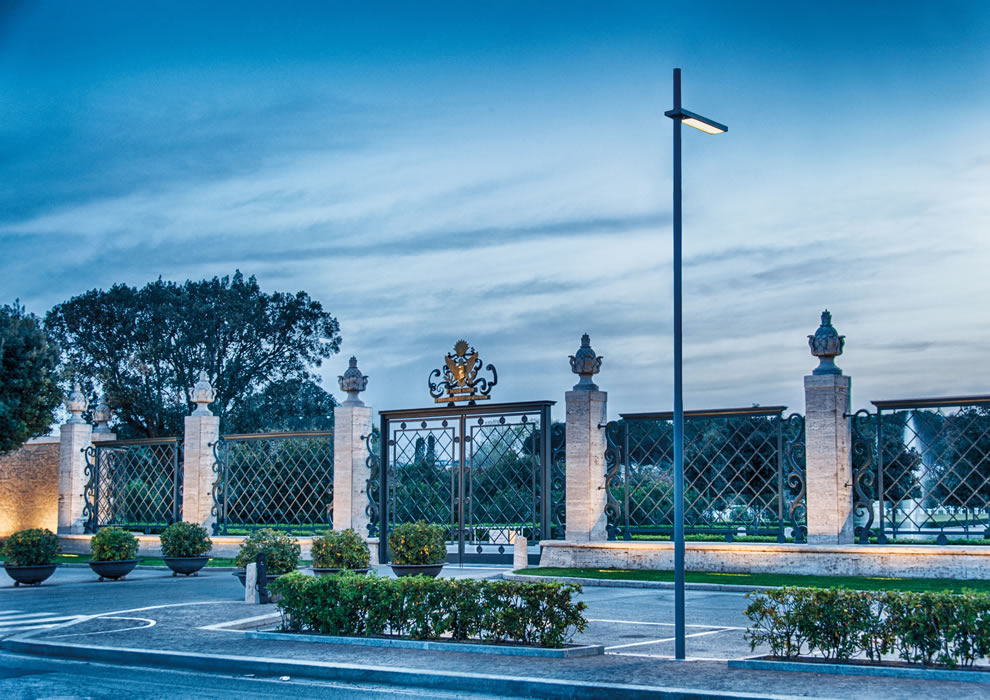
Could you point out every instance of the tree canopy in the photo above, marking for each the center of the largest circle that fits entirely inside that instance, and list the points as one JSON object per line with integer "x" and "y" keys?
{"x": 145, "y": 348}
{"x": 29, "y": 390}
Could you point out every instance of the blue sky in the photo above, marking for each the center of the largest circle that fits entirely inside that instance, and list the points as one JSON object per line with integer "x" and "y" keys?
{"x": 501, "y": 172}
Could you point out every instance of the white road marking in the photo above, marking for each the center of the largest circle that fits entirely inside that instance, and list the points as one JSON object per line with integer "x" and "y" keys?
{"x": 668, "y": 639}
{"x": 150, "y": 623}
{"x": 665, "y": 624}
{"x": 35, "y": 620}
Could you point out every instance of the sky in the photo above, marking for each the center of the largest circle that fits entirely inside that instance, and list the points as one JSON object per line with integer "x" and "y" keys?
{"x": 502, "y": 172}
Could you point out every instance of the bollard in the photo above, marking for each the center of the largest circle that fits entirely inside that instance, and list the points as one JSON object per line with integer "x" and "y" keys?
{"x": 251, "y": 584}
{"x": 520, "y": 554}
{"x": 262, "y": 562}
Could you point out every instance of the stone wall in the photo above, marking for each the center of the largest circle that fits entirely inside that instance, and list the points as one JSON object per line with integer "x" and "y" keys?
{"x": 898, "y": 560}
{"x": 29, "y": 487}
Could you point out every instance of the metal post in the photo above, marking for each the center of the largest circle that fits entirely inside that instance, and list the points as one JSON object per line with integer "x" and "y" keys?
{"x": 679, "y": 627}
{"x": 261, "y": 561}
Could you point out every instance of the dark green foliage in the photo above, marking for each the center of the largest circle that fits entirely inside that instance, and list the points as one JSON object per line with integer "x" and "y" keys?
{"x": 417, "y": 543}
{"x": 146, "y": 347}
{"x": 29, "y": 391}
{"x": 922, "y": 627}
{"x": 340, "y": 550}
{"x": 541, "y": 614}
{"x": 34, "y": 547}
{"x": 182, "y": 539}
{"x": 282, "y": 551}
{"x": 113, "y": 544}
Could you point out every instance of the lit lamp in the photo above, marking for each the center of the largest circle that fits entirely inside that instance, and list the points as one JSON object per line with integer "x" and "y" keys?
{"x": 680, "y": 116}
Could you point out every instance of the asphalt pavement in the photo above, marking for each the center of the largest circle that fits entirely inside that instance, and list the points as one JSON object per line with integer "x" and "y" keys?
{"x": 189, "y": 625}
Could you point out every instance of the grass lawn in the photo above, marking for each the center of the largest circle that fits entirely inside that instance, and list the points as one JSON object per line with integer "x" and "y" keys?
{"x": 861, "y": 583}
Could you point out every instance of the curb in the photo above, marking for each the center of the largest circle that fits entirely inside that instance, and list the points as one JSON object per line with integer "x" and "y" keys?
{"x": 354, "y": 673}
{"x": 625, "y": 583}
{"x": 425, "y": 645}
{"x": 928, "y": 674}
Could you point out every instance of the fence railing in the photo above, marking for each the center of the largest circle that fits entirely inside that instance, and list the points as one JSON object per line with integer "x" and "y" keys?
{"x": 744, "y": 474}
{"x": 922, "y": 470}
{"x": 273, "y": 480}
{"x": 134, "y": 484}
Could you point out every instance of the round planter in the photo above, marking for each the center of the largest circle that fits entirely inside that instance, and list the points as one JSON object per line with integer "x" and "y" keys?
{"x": 242, "y": 576}
{"x": 319, "y": 571}
{"x": 115, "y": 570}
{"x": 29, "y": 575}
{"x": 188, "y": 566}
{"x": 431, "y": 570}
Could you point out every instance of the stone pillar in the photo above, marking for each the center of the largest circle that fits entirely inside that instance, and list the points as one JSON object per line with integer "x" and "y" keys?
{"x": 586, "y": 415}
{"x": 201, "y": 432}
{"x": 75, "y": 438}
{"x": 828, "y": 440}
{"x": 351, "y": 427}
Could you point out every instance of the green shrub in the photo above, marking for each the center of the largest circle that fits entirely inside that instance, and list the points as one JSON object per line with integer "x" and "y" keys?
{"x": 542, "y": 614}
{"x": 282, "y": 551}
{"x": 341, "y": 550}
{"x": 928, "y": 627}
{"x": 182, "y": 539}
{"x": 34, "y": 547}
{"x": 113, "y": 544}
{"x": 417, "y": 543}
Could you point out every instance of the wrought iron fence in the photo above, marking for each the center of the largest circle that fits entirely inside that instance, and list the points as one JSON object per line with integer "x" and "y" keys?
{"x": 134, "y": 484}
{"x": 744, "y": 474}
{"x": 282, "y": 481}
{"x": 921, "y": 470}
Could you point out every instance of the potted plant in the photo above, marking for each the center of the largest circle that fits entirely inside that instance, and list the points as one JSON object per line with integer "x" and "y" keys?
{"x": 282, "y": 553}
{"x": 30, "y": 556}
{"x": 336, "y": 551}
{"x": 114, "y": 553}
{"x": 417, "y": 548}
{"x": 184, "y": 547}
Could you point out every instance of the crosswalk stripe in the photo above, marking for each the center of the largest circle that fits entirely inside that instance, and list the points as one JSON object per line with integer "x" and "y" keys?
{"x": 6, "y": 630}
{"x": 23, "y": 616}
{"x": 7, "y": 624}
{"x": 8, "y": 612}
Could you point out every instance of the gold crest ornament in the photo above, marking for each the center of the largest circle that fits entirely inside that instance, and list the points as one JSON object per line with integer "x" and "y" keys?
{"x": 458, "y": 379}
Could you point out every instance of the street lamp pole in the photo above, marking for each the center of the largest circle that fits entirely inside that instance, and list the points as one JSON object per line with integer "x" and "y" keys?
{"x": 680, "y": 115}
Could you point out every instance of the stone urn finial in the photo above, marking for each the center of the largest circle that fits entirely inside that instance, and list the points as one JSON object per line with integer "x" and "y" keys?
{"x": 203, "y": 395}
{"x": 102, "y": 416}
{"x": 586, "y": 364}
{"x": 76, "y": 404}
{"x": 353, "y": 382}
{"x": 826, "y": 344}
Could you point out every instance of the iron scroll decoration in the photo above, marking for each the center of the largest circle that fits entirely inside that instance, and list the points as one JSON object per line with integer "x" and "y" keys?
{"x": 458, "y": 379}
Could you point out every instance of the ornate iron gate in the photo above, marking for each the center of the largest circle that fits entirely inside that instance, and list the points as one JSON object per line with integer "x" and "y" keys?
{"x": 134, "y": 484}
{"x": 483, "y": 472}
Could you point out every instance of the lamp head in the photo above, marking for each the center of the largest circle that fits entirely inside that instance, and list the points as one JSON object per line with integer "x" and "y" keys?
{"x": 709, "y": 126}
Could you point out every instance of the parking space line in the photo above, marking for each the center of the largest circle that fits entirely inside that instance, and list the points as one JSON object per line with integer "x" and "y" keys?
{"x": 668, "y": 639}
{"x": 665, "y": 624}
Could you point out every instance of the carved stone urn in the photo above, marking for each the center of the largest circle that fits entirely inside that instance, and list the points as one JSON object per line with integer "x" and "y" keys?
{"x": 203, "y": 395}
{"x": 353, "y": 382}
{"x": 76, "y": 404}
{"x": 586, "y": 364}
{"x": 826, "y": 344}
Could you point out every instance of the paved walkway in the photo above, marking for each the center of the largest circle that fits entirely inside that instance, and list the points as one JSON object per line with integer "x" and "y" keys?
{"x": 188, "y": 617}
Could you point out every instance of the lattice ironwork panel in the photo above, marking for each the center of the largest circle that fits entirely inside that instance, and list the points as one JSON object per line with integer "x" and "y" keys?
{"x": 933, "y": 470}
{"x": 134, "y": 484}
{"x": 503, "y": 480}
{"x": 422, "y": 472}
{"x": 740, "y": 477}
{"x": 558, "y": 481}
{"x": 281, "y": 481}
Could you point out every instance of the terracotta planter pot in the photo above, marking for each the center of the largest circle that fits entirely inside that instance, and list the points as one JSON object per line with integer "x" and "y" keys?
{"x": 187, "y": 566}
{"x": 431, "y": 570}
{"x": 115, "y": 570}
{"x": 320, "y": 571}
{"x": 29, "y": 575}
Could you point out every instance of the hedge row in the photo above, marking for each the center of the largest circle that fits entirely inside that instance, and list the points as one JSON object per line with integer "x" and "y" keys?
{"x": 541, "y": 614}
{"x": 929, "y": 628}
